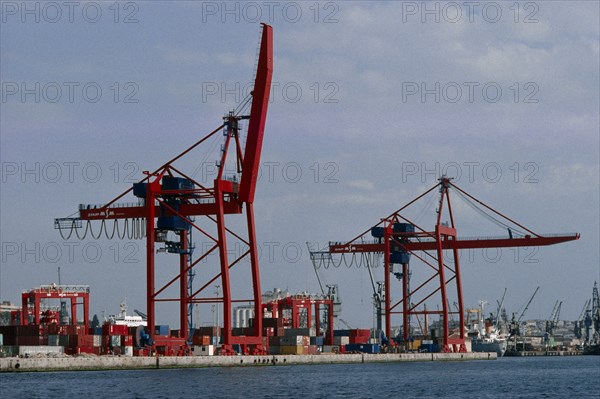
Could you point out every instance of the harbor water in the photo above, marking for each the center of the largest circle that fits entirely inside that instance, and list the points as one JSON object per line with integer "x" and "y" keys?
{"x": 536, "y": 377}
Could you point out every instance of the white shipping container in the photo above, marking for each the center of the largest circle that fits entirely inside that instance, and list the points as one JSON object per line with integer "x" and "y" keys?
{"x": 33, "y": 350}
{"x": 339, "y": 341}
{"x": 204, "y": 350}
{"x": 127, "y": 350}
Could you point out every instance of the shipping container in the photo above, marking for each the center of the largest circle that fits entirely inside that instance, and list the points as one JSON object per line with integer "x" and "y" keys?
{"x": 432, "y": 348}
{"x": 161, "y": 330}
{"x": 293, "y": 332}
{"x": 296, "y": 340}
{"x": 358, "y": 340}
{"x": 127, "y": 350}
{"x": 114, "y": 329}
{"x": 309, "y": 349}
{"x": 291, "y": 349}
{"x": 31, "y": 340}
{"x": 341, "y": 333}
{"x": 201, "y": 340}
{"x": 272, "y": 322}
{"x": 115, "y": 340}
{"x": 363, "y": 348}
{"x": 211, "y": 331}
{"x": 44, "y": 349}
{"x": 9, "y": 350}
{"x": 204, "y": 350}
{"x": 341, "y": 340}
{"x": 53, "y": 340}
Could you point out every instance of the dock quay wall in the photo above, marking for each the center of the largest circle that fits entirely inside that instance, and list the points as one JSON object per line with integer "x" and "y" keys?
{"x": 17, "y": 364}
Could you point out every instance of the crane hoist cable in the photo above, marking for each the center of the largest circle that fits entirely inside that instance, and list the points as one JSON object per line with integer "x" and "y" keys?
{"x": 132, "y": 229}
{"x": 487, "y": 215}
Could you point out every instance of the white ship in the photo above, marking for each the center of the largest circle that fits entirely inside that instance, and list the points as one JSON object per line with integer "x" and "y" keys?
{"x": 484, "y": 335}
{"x": 124, "y": 320}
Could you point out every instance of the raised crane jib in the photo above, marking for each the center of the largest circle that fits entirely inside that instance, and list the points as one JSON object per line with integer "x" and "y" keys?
{"x": 258, "y": 117}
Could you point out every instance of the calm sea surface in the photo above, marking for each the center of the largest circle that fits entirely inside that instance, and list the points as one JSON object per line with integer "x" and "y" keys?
{"x": 541, "y": 377}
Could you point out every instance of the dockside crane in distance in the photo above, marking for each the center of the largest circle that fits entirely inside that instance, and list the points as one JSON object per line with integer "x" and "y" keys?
{"x": 168, "y": 200}
{"x": 515, "y": 323}
{"x": 554, "y": 316}
{"x": 398, "y": 239}
{"x": 579, "y": 324}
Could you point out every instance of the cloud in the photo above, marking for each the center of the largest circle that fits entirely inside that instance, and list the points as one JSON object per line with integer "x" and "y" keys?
{"x": 361, "y": 184}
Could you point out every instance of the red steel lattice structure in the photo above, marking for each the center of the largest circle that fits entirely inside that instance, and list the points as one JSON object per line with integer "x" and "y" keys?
{"x": 182, "y": 202}
{"x": 442, "y": 238}
{"x": 32, "y": 301}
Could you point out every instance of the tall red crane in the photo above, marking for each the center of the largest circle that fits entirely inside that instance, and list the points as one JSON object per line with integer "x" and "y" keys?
{"x": 399, "y": 238}
{"x": 168, "y": 201}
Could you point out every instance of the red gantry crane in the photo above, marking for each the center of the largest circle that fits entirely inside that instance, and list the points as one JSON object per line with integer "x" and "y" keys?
{"x": 168, "y": 201}
{"x": 398, "y": 238}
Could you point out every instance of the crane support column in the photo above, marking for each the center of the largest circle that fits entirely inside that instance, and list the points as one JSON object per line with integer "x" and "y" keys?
{"x": 255, "y": 271}
{"x": 150, "y": 214}
{"x": 440, "y": 258}
{"x": 183, "y": 285}
{"x": 405, "y": 303}
{"x": 386, "y": 271}
{"x": 224, "y": 260}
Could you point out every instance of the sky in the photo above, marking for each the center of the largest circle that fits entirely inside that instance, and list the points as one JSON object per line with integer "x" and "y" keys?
{"x": 371, "y": 103}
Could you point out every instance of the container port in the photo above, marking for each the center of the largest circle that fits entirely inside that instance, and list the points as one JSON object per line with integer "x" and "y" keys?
{"x": 278, "y": 328}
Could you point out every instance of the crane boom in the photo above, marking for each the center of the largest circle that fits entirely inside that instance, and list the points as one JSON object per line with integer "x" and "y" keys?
{"x": 258, "y": 117}
{"x": 528, "y": 303}
{"x": 458, "y": 243}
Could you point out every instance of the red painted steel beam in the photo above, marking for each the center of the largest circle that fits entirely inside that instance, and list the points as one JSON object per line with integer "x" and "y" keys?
{"x": 459, "y": 244}
{"x": 133, "y": 212}
{"x": 258, "y": 117}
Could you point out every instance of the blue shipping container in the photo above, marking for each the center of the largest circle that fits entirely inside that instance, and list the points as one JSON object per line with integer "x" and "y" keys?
{"x": 377, "y": 232}
{"x": 341, "y": 333}
{"x": 403, "y": 228}
{"x": 161, "y": 330}
{"x": 399, "y": 257}
{"x": 364, "y": 348}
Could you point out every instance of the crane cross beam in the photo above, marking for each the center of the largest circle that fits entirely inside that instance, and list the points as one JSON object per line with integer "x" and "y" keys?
{"x": 431, "y": 245}
{"x": 132, "y": 212}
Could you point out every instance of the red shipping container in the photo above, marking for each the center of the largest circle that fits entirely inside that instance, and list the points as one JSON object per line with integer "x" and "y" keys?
{"x": 53, "y": 329}
{"x": 85, "y": 349}
{"x": 309, "y": 349}
{"x": 360, "y": 333}
{"x": 31, "y": 340}
{"x": 140, "y": 352}
{"x": 359, "y": 340}
{"x": 269, "y": 331}
{"x": 114, "y": 329}
{"x": 126, "y": 340}
{"x": 201, "y": 340}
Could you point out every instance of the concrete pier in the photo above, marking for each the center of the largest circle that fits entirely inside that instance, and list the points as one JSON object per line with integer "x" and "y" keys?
{"x": 15, "y": 364}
